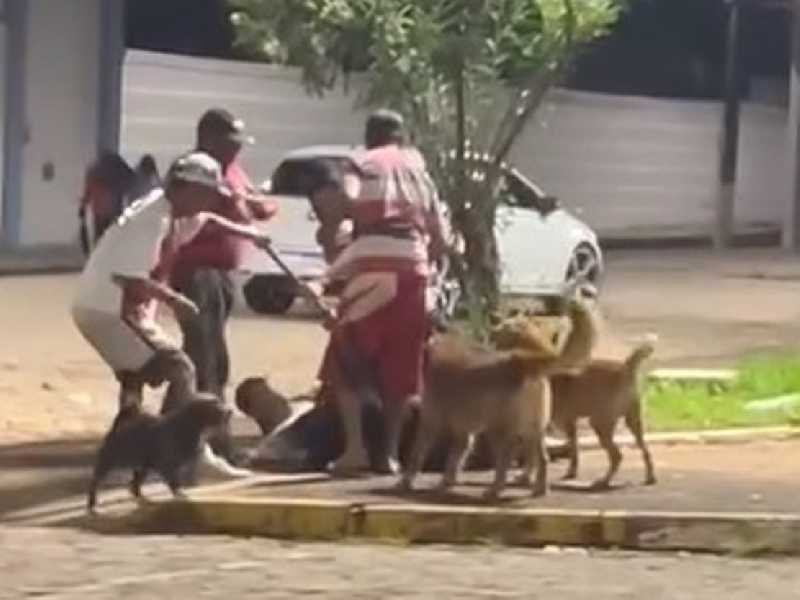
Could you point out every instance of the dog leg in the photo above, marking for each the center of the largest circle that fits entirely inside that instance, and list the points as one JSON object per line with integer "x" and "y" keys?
{"x": 540, "y": 486}
{"x": 139, "y": 476}
{"x": 634, "y": 422}
{"x": 172, "y": 477}
{"x": 605, "y": 435}
{"x": 102, "y": 468}
{"x": 503, "y": 448}
{"x": 528, "y": 455}
{"x": 571, "y": 431}
{"x": 460, "y": 445}
{"x": 427, "y": 433}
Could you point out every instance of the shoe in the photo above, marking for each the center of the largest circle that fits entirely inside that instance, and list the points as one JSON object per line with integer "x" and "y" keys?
{"x": 211, "y": 464}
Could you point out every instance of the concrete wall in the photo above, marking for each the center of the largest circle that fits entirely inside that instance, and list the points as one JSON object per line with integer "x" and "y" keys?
{"x": 165, "y": 95}
{"x": 630, "y": 166}
{"x": 3, "y": 55}
{"x": 635, "y": 166}
{"x": 63, "y": 48}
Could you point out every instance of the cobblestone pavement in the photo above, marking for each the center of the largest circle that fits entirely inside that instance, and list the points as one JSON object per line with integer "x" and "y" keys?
{"x": 65, "y": 564}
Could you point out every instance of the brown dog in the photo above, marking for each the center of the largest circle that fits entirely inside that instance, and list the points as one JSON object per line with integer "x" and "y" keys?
{"x": 605, "y": 391}
{"x": 259, "y": 401}
{"x": 503, "y": 394}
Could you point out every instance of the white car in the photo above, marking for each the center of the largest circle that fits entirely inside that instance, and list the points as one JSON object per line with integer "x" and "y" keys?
{"x": 542, "y": 246}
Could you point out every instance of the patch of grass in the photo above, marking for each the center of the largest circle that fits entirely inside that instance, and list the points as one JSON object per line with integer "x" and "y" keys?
{"x": 672, "y": 406}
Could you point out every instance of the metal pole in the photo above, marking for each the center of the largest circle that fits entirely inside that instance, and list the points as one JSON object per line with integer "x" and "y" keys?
{"x": 730, "y": 134}
{"x": 112, "y": 56}
{"x": 791, "y": 229}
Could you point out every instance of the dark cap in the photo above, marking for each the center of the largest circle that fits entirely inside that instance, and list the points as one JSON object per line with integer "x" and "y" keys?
{"x": 320, "y": 173}
{"x": 219, "y": 122}
{"x": 385, "y": 125}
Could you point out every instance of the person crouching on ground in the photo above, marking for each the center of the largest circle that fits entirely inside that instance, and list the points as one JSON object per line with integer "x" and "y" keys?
{"x": 124, "y": 279}
{"x": 382, "y": 322}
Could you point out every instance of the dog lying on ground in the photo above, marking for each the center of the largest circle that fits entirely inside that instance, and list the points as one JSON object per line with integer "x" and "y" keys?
{"x": 142, "y": 442}
{"x": 604, "y": 392}
{"x": 503, "y": 394}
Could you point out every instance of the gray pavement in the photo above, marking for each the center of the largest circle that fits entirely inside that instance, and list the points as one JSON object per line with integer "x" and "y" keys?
{"x": 753, "y": 477}
{"x": 64, "y": 564}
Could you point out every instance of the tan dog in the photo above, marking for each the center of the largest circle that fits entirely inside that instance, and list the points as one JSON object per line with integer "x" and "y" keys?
{"x": 604, "y": 392}
{"x": 256, "y": 398}
{"x": 503, "y": 394}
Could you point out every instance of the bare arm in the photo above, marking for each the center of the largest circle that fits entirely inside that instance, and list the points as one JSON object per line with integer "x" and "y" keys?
{"x": 244, "y": 231}
{"x": 158, "y": 291}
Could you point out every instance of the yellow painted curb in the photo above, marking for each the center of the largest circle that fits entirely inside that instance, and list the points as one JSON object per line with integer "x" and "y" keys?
{"x": 315, "y": 520}
{"x": 279, "y": 518}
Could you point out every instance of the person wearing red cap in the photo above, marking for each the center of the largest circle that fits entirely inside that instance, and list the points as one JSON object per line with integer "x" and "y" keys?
{"x": 202, "y": 268}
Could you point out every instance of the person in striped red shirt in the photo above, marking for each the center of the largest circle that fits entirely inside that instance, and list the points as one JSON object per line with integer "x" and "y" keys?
{"x": 382, "y": 323}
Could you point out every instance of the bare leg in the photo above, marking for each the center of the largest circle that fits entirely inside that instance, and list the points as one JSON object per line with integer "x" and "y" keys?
{"x": 355, "y": 458}
{"x": 460, "y": 444}
{"x": 605, "y": 435}
{"x": 634, "y": 422}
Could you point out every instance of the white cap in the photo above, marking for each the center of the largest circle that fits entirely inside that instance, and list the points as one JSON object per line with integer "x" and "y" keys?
{"x": 200, "y": 168}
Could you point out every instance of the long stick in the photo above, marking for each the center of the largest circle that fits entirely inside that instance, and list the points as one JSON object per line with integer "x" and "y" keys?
{"x": 302, "y": 286}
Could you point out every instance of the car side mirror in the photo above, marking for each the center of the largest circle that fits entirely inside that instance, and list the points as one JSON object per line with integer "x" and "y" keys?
{"x": 548, "y": 204}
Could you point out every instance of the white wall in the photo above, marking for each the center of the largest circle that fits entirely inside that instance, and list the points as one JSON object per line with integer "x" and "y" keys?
{"x": 2, "y": 105}
{"x": 637, "y": 166}
{"x": 631, "y": 166}
{"x": 165, "y": 95}
{"x": 62, "y": 104}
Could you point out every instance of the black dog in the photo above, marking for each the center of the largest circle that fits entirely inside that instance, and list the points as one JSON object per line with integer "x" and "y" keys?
{"x": 166, "y": 444}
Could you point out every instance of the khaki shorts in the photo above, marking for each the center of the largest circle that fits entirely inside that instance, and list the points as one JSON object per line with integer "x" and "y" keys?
{"x": 123, "y": 347}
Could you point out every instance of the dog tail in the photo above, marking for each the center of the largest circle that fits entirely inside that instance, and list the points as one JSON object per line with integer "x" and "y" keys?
{"x": 640, "y": 353}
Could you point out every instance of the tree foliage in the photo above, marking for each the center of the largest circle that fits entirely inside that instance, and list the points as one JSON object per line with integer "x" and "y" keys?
{"x": 467, "y": 74}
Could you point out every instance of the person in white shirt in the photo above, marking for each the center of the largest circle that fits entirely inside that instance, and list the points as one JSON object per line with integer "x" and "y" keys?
{"x": 125, "y": 278}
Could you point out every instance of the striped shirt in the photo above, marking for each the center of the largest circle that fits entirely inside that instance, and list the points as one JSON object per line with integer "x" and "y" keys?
{"x": 395, "y": 211}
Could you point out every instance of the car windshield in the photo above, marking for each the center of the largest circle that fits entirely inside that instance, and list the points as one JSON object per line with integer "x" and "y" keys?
{"x": 292, "y": 177}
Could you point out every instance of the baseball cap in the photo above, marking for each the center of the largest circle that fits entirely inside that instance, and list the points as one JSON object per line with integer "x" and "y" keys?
{"x": 220, "y": 122}
{"x": 200, "y": 168}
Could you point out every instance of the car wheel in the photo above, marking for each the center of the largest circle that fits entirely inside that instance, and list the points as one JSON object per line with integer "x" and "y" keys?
{"x": 269, "y": 295}
{"x": 584, "y": 261}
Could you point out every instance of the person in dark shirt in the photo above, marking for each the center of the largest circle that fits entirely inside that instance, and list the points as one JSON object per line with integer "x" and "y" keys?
{"x": 202, "y": 268}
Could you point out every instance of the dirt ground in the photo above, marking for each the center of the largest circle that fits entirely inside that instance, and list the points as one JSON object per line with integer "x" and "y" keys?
{"x": 707, "y": 309}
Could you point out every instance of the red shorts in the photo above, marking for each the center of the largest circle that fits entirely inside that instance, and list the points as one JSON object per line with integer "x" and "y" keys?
{"x": 390, "y": 339}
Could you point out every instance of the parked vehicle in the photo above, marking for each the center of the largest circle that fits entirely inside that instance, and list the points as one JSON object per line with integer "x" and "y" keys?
{"x": 542, "y": 245}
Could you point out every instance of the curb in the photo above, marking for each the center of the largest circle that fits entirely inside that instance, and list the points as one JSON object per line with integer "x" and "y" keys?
{"x": 744, "y": 534}
{"x": 719, "y": 436}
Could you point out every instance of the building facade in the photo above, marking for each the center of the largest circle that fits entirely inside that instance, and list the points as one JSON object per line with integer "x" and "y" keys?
{"x": 60, "y": 72}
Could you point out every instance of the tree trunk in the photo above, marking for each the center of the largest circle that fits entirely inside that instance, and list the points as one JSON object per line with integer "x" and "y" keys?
{"x": 482, "y": 258}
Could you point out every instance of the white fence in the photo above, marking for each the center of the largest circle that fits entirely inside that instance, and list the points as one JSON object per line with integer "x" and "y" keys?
{"x": 630, "y": 166}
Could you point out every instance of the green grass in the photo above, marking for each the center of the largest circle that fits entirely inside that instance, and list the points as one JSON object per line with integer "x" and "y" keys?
{"x": 672, "y": 406}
